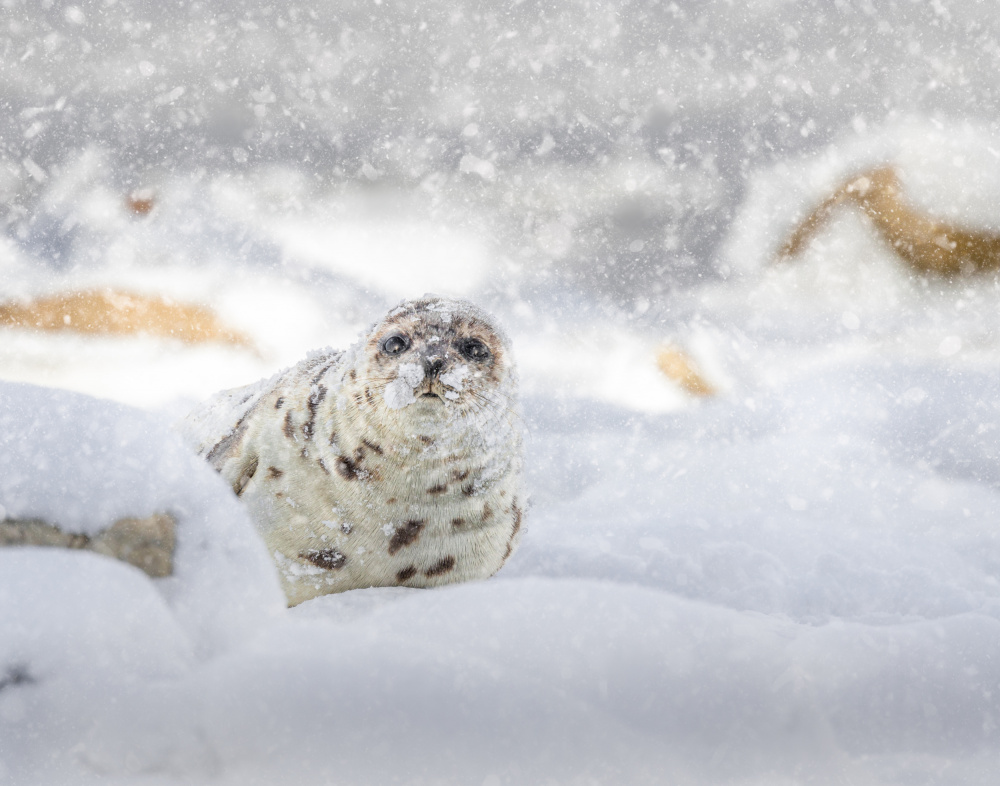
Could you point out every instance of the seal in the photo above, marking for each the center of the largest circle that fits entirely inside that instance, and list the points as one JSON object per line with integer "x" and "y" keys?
{"x": 397, "y": 462}
{"x": 926, "y": 244}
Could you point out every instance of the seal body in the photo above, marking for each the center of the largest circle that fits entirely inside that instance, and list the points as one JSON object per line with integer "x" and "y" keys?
{"x": 397, "y": 462}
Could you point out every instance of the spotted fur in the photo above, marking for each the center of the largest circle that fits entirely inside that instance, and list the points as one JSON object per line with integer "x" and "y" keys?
{"x": 440, "y": 567}
{"x": 404, "y": 485}
{"x": 328, "y": 559}
{"x": 405, "y": 534}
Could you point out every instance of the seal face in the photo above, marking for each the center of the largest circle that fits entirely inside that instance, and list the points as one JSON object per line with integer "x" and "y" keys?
{"x": 397, "y": 462}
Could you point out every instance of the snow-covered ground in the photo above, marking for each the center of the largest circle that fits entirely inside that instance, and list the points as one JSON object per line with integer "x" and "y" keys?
{"x": 796, "y": 581}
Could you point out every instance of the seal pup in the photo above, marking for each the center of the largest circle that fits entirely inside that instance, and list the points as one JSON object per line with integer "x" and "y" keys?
{"x": 927, "y": 244}
{"x": 397, "y": 462}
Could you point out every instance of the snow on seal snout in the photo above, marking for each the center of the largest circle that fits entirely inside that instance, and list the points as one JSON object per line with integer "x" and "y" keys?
{"x": 397, "y": 462}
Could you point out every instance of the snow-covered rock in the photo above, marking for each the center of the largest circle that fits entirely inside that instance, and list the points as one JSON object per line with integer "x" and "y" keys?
{"x": 81, "y": 464}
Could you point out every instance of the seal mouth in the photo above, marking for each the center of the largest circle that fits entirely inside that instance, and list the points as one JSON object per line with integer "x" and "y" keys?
{"x": 431, "y": 391}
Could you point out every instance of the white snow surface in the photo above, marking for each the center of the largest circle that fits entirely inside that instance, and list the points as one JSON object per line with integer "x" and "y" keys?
{"x": 796, "y": 581}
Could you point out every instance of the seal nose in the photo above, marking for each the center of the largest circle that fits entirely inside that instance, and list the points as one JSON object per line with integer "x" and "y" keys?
{"x": 433, "y": 366}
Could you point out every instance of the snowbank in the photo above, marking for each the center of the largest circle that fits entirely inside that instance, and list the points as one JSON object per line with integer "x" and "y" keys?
{"x": 804, "y": 589}
{"x": 81, "y": 464}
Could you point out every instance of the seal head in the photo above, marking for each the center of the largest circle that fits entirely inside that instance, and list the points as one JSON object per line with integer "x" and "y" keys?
{"x": 432, "y": 364}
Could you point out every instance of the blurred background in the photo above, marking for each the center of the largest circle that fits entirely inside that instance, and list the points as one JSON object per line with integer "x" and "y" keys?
{"x": 586, "y": 169}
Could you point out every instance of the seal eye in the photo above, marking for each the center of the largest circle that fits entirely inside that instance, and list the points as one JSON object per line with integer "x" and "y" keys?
{"x": 474, "y": 349}
{"x": 396, "y": 344}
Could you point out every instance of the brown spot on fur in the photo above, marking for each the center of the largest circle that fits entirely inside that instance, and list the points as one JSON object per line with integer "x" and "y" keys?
{"x": 372, "y": 446}
{"x": 328, "y": 559}
{"x": 458, "y": 523}
{"x": 274, "y": 472}
{"x": 364, "y": 473}
{"x": 324, "y": 368}
{"x": 406, "y": 574}
{"x": 426, "y": 440}
{"x": 322, "y": 466}
{"x": 358, "y": 399}
{"x": 405, "y": 535}
{"x": 440, "y": 567}
{"x": 279, "y": 402}
{"x": 223, "y": 446}
{"x": 390, "y": 501}
{"x": 315, "y": 399}
{"x": 440, "y": 488}
{"x": 460, "y": 474}
{"x": 487, "y": 512}
{"x": 346, "y": 527}
{"x": 346, "y": 468}
{"x": 354, "y": 375}
{"x": 288, "y": 428}
{"x": 248, "y": 472}
{"x": 368, "y": 395}
{"x": 513, "y": 532}
{"x": 468, "y": 489}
